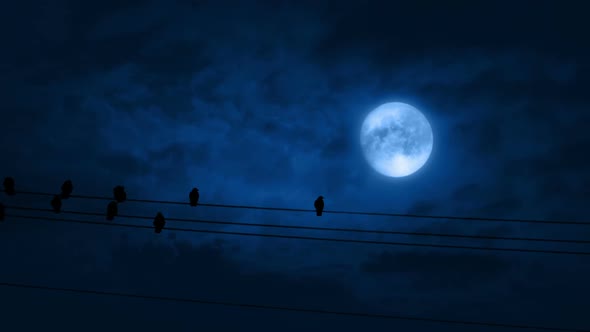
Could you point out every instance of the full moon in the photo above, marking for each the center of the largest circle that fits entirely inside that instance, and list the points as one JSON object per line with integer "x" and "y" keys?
{"x": 396, "y": 139}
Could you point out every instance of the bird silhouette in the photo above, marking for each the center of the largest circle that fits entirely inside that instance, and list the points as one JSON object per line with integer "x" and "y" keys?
{"x": 319, "y": 205}
{"x": 159, "y": 222}
{"x": 66, "y": 189}
{"x": 9, "y": 186}
{"x": 194, "y": 197}
{"x": 56, "y": 204}
{"x": 119, "y": 194}
{"x": 112, "y": 210}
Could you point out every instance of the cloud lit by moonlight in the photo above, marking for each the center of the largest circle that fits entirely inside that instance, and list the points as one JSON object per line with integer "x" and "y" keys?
{"x": 396, "y": 139}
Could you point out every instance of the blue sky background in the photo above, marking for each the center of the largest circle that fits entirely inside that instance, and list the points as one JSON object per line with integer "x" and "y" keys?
{"x": 261, "y": 103}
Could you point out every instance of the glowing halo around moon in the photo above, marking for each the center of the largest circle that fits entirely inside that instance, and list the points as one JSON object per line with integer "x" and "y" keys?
{"x": 396, "y": 139}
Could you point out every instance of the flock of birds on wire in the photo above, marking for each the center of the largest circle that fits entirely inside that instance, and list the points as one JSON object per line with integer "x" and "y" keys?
{"x": 119, "y": 196}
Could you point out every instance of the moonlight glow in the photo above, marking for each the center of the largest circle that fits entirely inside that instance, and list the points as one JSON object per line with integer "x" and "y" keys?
{"x": 396, "y": 139}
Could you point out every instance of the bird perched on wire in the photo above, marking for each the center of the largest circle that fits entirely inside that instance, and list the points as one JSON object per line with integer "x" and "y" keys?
{"x": 112, "y": 210}
{"x": 66, "y": 189}
{"x": 319, "y": 205}
{"x": 119, "y": 194}
{"x": 194, "y": 197}
{"x": 159, "y": 222}
{"x": 2, "y": 212}
{"x": 9, "y": 186}
{"x": 56, "y": 204}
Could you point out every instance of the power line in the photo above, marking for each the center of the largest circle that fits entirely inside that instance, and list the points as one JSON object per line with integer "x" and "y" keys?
{"x": 281, "y": 308}
{"x": 382, "y": 214}
{"x": 350, "y": 230}
{"x": 582, "y": 253}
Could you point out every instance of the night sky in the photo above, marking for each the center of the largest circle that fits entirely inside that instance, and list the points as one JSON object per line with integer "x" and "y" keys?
{"x": 261, "y": 103}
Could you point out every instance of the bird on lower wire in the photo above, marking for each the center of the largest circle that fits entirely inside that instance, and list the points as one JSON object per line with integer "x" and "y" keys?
{"x": 112, "y": 210}
{"x": 159, "y": 222}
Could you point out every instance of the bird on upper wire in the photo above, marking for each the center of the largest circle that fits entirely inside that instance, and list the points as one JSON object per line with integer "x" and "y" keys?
{"x": 159, "y": 222}
{"x": 119, "y": 194}
{"x": 9, "y": 186}
{"x": 319, "y": 205}
{"x": 194, "y": 197}
{"x": 66, "y": 189}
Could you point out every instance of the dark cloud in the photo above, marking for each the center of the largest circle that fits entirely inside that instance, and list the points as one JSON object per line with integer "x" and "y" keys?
{"x": 370, "y": 31}
{"x": 488, "y": 141}
{"x": 503, "y": 206}
{"x": 124, "y": 164}
{"x": 466, "y": 192}
{"x": 338, "y": 146}
{"x": 180, "y": 270}
{"x": 423, "y": 207}
{"x": 430, "y": 270}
